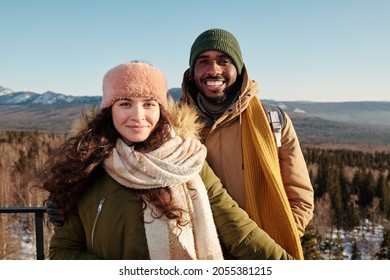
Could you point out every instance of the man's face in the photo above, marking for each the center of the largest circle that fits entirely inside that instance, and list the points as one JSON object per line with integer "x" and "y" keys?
{"x": 214, "y": 74}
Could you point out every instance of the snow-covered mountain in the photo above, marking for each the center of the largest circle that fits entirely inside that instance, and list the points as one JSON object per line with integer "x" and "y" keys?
{"x": 4, "y": 91}
{"x": 9, "y": 97}
{"x": 372, "y": 114}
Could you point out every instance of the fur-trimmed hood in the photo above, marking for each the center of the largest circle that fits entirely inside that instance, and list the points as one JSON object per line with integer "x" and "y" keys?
{"x": 183, "y": 118}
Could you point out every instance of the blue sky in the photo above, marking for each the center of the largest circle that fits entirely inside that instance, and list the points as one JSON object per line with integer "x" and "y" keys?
{"x": 333, "y": 50}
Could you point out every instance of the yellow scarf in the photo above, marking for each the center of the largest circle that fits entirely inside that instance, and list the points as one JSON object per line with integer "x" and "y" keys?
{"x": 266, "y": 199}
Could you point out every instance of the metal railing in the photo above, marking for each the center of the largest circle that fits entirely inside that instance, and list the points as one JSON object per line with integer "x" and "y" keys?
{"x": 38, "y": 211}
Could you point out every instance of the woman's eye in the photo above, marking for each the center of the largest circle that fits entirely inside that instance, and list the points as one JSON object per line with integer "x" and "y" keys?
{"x": 150, "y": 104}
{"x": 124, "y": 104}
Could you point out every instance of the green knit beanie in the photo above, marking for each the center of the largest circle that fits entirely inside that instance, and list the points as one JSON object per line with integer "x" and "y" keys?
{"x": 216, "y": 40}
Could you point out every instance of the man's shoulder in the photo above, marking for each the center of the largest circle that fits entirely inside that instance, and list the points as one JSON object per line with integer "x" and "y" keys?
{"x": 277, "y": 120}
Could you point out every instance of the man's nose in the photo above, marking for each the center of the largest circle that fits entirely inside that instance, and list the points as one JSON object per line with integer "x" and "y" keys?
{"x": 214, "y": 68}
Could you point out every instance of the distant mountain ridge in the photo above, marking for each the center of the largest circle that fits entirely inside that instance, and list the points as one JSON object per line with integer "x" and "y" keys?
{"x": 374, "y": 113}
{"x": 9, "y": 97}
{"x": 319, "y": 109}
{"x": 371, "y": 113}
{"x": 315, "y": 122}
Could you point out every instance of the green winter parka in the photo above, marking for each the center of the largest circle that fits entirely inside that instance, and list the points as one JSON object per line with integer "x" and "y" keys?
{"x": 108, "y": 224}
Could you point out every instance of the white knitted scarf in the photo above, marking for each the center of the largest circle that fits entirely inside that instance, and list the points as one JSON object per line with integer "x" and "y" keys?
{"x": 176, "y": 164}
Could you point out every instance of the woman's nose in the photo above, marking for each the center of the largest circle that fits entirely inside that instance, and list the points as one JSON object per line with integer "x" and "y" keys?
{"x": 137, "y": 113}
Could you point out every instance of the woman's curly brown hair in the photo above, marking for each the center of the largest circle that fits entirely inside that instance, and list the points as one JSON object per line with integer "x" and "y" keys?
{"x": 72, "y": 164}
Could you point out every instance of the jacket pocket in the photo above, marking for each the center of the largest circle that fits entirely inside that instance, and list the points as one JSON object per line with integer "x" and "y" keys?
{"x": 98, "y": 211}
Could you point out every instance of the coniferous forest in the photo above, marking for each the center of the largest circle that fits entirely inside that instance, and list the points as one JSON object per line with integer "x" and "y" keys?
{"x": 352, "y": 198}
{"x": 352, "y": 204}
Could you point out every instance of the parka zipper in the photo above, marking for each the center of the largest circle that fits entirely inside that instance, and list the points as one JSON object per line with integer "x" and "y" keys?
{"x": 99, "y": 210}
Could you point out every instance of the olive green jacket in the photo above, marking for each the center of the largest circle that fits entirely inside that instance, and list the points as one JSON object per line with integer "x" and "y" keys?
{"x": 108, "y": 224}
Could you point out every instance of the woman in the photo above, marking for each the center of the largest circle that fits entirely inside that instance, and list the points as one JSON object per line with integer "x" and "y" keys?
{"x": 133, "y": 183}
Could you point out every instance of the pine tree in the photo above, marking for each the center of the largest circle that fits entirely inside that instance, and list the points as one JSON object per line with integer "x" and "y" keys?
{"x": 334, "y": 189}
{"x": 357, "y": 182}
{"x": 356, "y": 254}
{"x": 322, "y": 178}
{"x": 382, "y": 191}
{"x": 352, "y": 214}
{"x": 310, "y": 244}
{"x": 337, "y": 248}
{"x": 367, "y": 190}
{"x": 384, "y": 250}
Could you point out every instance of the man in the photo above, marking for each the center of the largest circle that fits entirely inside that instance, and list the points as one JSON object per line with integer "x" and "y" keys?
{"x": 272, "y": 184}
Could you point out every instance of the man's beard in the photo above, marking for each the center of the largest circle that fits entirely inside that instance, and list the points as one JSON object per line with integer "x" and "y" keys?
{"x": 215, "y": 100}
{"x": 228, "y": 95}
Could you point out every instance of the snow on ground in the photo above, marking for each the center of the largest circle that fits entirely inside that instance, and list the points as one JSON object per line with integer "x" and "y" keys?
{"x": 368, "y": 237}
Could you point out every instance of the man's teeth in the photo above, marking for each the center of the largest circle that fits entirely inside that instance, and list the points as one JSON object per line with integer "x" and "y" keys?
{"x": 214, "y": 83}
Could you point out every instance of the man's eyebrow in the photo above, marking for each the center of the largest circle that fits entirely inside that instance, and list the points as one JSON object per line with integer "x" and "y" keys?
{"x": 203, "y": 56}
{"x": 223, "y": 55}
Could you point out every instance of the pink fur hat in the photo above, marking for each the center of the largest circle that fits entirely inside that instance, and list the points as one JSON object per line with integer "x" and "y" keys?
{"x": 134, "y": 79}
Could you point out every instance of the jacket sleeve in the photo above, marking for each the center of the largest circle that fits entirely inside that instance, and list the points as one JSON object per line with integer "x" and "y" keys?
{"x": 239, "y": 234}
{"x": 68, "y": 242}
{"x": 296, "y": 178}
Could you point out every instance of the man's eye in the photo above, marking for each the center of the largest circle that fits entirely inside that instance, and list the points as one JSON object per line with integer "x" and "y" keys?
{"x": 224, "y": 62}
{"x": 203, "y": 62}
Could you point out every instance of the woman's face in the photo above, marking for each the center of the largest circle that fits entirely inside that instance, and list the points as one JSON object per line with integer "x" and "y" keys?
{"x": 135, "y": 118}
